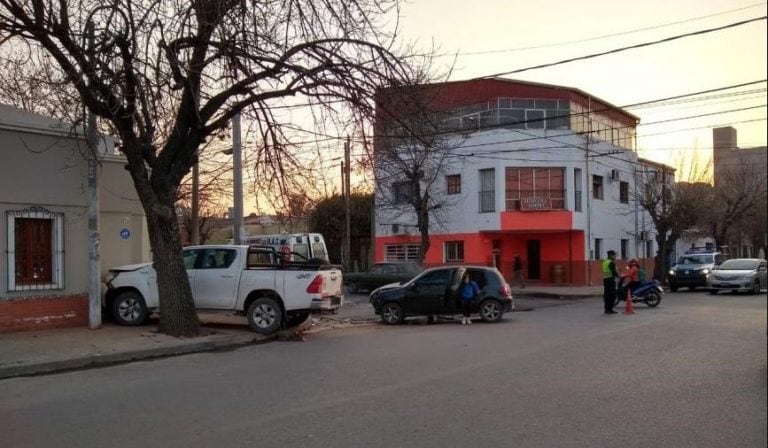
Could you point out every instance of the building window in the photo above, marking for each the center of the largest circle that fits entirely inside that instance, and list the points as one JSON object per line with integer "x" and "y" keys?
{"x": 534, "y": 119}
{"x": 624, "y": 249}
{"x": 597, "y": 187}
{"x": 624, "y": 192}
{"x": 35, "y": 249}
{"x": 577, "y": 189}
{"x": 454, "y": 251}
{"x": 402, "y": 192}
{"x": 598, "y": 249}
{"x": 535, "y": 188}
{"x": 487, "y": 190}
{"x": 401, "y": 252}
{"x": 453, "y": 184}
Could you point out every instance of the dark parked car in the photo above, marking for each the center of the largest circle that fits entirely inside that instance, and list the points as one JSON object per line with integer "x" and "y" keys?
{"x": 381, "y": 274}
{"x": 435, "y": 292}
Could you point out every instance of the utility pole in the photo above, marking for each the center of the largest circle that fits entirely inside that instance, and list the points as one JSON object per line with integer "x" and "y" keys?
{"x": 589, "y": 192}
{"x": 195, "y": 230}
{"x": 94, "y": 239}
{"x": 663, "y": 258}
{"x": 237, "y": 176}
{"x": 347, "y": 221}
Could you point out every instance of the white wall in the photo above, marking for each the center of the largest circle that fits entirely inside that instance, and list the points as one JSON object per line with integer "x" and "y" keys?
{"x": 611, "y": 220}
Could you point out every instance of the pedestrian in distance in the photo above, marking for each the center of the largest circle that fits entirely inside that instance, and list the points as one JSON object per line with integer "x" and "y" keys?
{"x": 610, "y": 277}
{"x": 468, "y": 292}
{"x": 517, "y": 267}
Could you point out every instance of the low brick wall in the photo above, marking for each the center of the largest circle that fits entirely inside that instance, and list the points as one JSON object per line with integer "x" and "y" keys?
{"x": 43, "y": 312}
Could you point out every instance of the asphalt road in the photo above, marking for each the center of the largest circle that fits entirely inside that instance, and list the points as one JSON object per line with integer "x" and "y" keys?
{"x": 691, "y": 373}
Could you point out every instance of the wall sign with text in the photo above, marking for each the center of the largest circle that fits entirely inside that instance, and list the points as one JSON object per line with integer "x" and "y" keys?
{"x": 528, "y": 204}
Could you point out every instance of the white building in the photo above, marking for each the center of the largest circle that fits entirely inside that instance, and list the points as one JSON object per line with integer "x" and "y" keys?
{"x": 546, "y": 172}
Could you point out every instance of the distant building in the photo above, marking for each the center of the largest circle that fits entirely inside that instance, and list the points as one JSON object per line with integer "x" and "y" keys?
{"x": 544, "y": 171}
{"x": 727, "y": 156}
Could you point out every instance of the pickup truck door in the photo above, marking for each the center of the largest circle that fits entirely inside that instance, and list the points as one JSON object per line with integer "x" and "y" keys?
{"x": 216, "y": 276}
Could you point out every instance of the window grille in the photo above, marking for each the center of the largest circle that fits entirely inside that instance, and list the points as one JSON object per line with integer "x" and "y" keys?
{"x": 35, "y": 257}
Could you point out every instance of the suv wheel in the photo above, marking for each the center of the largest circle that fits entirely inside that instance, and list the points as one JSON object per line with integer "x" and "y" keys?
{"x": 129, "y": 308}
{"x": 265, "y": 315}
{"x": 392, "y": 314}
{"x": 491, "y": 310}
{"x": 673, "y": 287}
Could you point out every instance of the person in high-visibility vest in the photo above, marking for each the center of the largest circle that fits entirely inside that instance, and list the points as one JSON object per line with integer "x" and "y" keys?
{"x": 610, "y": 276}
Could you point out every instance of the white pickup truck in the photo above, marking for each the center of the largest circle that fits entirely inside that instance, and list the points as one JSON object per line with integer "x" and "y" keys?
{"x": 232, "y": 279}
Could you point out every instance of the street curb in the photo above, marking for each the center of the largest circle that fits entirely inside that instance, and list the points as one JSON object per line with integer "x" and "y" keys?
{"x": 551, "y": 295}
{"x": 97, "y": 360}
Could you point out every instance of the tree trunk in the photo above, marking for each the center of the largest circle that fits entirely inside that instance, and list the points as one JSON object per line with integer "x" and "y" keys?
{"x": 423, "y": 224}
{"x": 177, "y": 309}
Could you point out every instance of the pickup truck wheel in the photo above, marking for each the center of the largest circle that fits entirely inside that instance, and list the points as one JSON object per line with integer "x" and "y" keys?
{"x": 129, "y": 308}
{"x": 295, "y": 318}
{"x": 352, "y": 287}
{"x": 265, "y": 315}
{"x": 491, "y": 310}
{"x": 392, "y": 314}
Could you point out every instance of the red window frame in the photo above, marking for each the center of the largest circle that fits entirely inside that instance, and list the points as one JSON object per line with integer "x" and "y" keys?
{"x": 34, "y": 251}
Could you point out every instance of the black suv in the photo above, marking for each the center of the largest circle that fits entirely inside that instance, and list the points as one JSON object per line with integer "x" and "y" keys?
{"x": 435, "y": 292}
{"x": 693, "y": 269}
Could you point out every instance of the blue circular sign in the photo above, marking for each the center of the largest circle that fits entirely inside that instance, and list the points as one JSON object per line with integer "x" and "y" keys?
{"x": 125, "y": 234}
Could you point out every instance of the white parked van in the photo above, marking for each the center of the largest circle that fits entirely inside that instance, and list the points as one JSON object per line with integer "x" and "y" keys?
{"x": 307, "y": 245}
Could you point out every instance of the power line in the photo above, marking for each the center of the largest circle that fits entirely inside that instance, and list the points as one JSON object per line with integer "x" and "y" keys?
{"x": 604, "y": 36}
{"x": 621, "y": 49}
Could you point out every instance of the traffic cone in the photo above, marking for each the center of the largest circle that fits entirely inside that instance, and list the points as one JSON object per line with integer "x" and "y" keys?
{"x": 629, "y": 308}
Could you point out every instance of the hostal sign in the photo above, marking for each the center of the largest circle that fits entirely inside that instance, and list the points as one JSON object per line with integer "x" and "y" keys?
{"x": 527, "y": 204}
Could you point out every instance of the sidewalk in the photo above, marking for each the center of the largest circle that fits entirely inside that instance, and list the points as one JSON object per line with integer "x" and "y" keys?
{"x": 40, "y": 352}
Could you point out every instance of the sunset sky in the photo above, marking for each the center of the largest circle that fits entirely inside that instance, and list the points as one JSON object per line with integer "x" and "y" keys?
{"x": 504, "y": 32}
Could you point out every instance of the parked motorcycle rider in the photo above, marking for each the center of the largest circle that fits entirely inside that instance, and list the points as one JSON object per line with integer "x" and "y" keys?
{"x": 630, "y": 278}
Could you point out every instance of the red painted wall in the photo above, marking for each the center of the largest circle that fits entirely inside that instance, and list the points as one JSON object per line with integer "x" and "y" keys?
{"x": 562, "y": 254}
{"x": 544, "y": 220}
{"x": 41, "y": 313}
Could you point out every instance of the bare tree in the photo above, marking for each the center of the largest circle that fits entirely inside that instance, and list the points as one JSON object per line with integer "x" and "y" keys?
{"x": 673, "y": 209}
{"x": 412, "y": 153}
{"x": 167, "y": 76}
{"x": 732, "y": 206}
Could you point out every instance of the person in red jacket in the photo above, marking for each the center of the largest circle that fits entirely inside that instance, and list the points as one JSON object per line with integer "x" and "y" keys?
{"x": 630, "y": 278}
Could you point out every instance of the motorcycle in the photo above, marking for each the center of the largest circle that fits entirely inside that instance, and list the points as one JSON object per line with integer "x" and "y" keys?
{"x": 647, "y": 292}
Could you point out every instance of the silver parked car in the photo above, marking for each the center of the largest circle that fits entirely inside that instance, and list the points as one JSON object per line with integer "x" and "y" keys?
{"x": 739, "y": 274}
